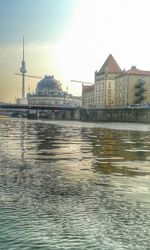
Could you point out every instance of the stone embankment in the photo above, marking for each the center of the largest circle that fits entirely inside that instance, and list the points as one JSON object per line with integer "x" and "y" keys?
{"x": 115, "y": 115}
{"x": 95, "y": 115}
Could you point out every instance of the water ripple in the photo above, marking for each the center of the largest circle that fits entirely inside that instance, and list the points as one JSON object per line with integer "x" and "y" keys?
{"x": 66, "y": 185}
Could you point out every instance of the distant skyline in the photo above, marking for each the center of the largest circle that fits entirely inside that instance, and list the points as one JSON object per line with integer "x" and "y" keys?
{"x": 70, "y": 39}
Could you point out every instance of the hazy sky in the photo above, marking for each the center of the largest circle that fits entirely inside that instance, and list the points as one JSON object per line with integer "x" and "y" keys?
{"x": 70, "y": 39}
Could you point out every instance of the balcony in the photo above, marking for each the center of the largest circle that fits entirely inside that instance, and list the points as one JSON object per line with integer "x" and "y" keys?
{"x": 139, "y": 93}
{"x": 139, "y": 99}
{"x": 140, "y": 83}
{"x": 141, "y": 90}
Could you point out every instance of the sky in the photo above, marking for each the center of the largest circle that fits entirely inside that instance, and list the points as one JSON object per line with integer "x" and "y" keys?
{"x": 70, "y": 39}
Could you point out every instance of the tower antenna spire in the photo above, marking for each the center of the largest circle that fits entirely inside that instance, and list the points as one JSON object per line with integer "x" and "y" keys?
{"x": 23, "y": 71}
{"x": 23, "y": 48}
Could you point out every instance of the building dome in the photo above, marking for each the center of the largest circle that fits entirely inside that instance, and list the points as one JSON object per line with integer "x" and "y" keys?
{"x": 48, "y": 85}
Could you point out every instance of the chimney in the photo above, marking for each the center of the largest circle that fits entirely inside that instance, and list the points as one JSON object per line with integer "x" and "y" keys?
{"x": 133, "y": 67}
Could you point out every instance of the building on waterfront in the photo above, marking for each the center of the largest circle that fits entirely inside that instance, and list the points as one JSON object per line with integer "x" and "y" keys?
{"x": 133, "y": 87}
{"x": 49, "y": 92}
{"x": 114, "y": 87}
{"x": 87, "y": 96}
{"x": 104, "y": 91}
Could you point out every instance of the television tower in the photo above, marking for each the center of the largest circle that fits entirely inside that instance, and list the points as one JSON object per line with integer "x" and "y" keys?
{"x": 23, "y": 71}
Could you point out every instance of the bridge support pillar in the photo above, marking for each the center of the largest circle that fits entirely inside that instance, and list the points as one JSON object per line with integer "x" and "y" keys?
{"x": 32, "y": 114}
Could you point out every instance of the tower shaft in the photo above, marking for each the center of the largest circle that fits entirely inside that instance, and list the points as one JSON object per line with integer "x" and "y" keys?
{"x": 23, "y": 71}
{"x": 23, "y": 85}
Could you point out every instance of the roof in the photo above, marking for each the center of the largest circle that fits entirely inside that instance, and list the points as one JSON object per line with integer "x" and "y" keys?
{"x": 110, "y": 66}
{"x": 86, "y": 88}
{"x": 135, "y": 71}
{"x": 123, "y": 73}
{"x": 48, "y": 83}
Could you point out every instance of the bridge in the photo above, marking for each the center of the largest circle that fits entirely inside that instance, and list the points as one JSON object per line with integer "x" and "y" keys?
{"x": 41, "y": 111}
{"x": 19, "y": 107}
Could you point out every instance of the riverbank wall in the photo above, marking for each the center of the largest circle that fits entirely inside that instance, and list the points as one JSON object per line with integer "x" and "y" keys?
{"x": 115, "y": 115}
{"x": 95, "y": 115}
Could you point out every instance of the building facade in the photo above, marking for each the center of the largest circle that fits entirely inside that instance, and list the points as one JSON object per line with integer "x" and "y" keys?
{"x": 104, "y": 91}
{"x": 88, "y": 96}
{"x": 114, "y": 87}
{"x": 133, "y": 87}
{"x": 49, "y": 92}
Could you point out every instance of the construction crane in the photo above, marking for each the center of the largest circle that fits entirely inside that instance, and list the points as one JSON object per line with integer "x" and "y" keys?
{"x": 83, "y": 82}
{"x": 37, "y": 77}
{"x": 23, "y": 88}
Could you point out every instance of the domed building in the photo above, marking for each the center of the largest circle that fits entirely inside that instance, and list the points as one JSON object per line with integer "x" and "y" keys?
{"x": 48, "y": 85}
{"x": 49, "y": 92}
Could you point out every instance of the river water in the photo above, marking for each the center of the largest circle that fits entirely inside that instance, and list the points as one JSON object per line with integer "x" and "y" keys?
{"x": 72, "y": 185}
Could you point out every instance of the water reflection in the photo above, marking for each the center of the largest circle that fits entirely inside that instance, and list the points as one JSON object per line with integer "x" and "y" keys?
{"x": 120, "y": 152}
{"x": 66, "y": 185}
